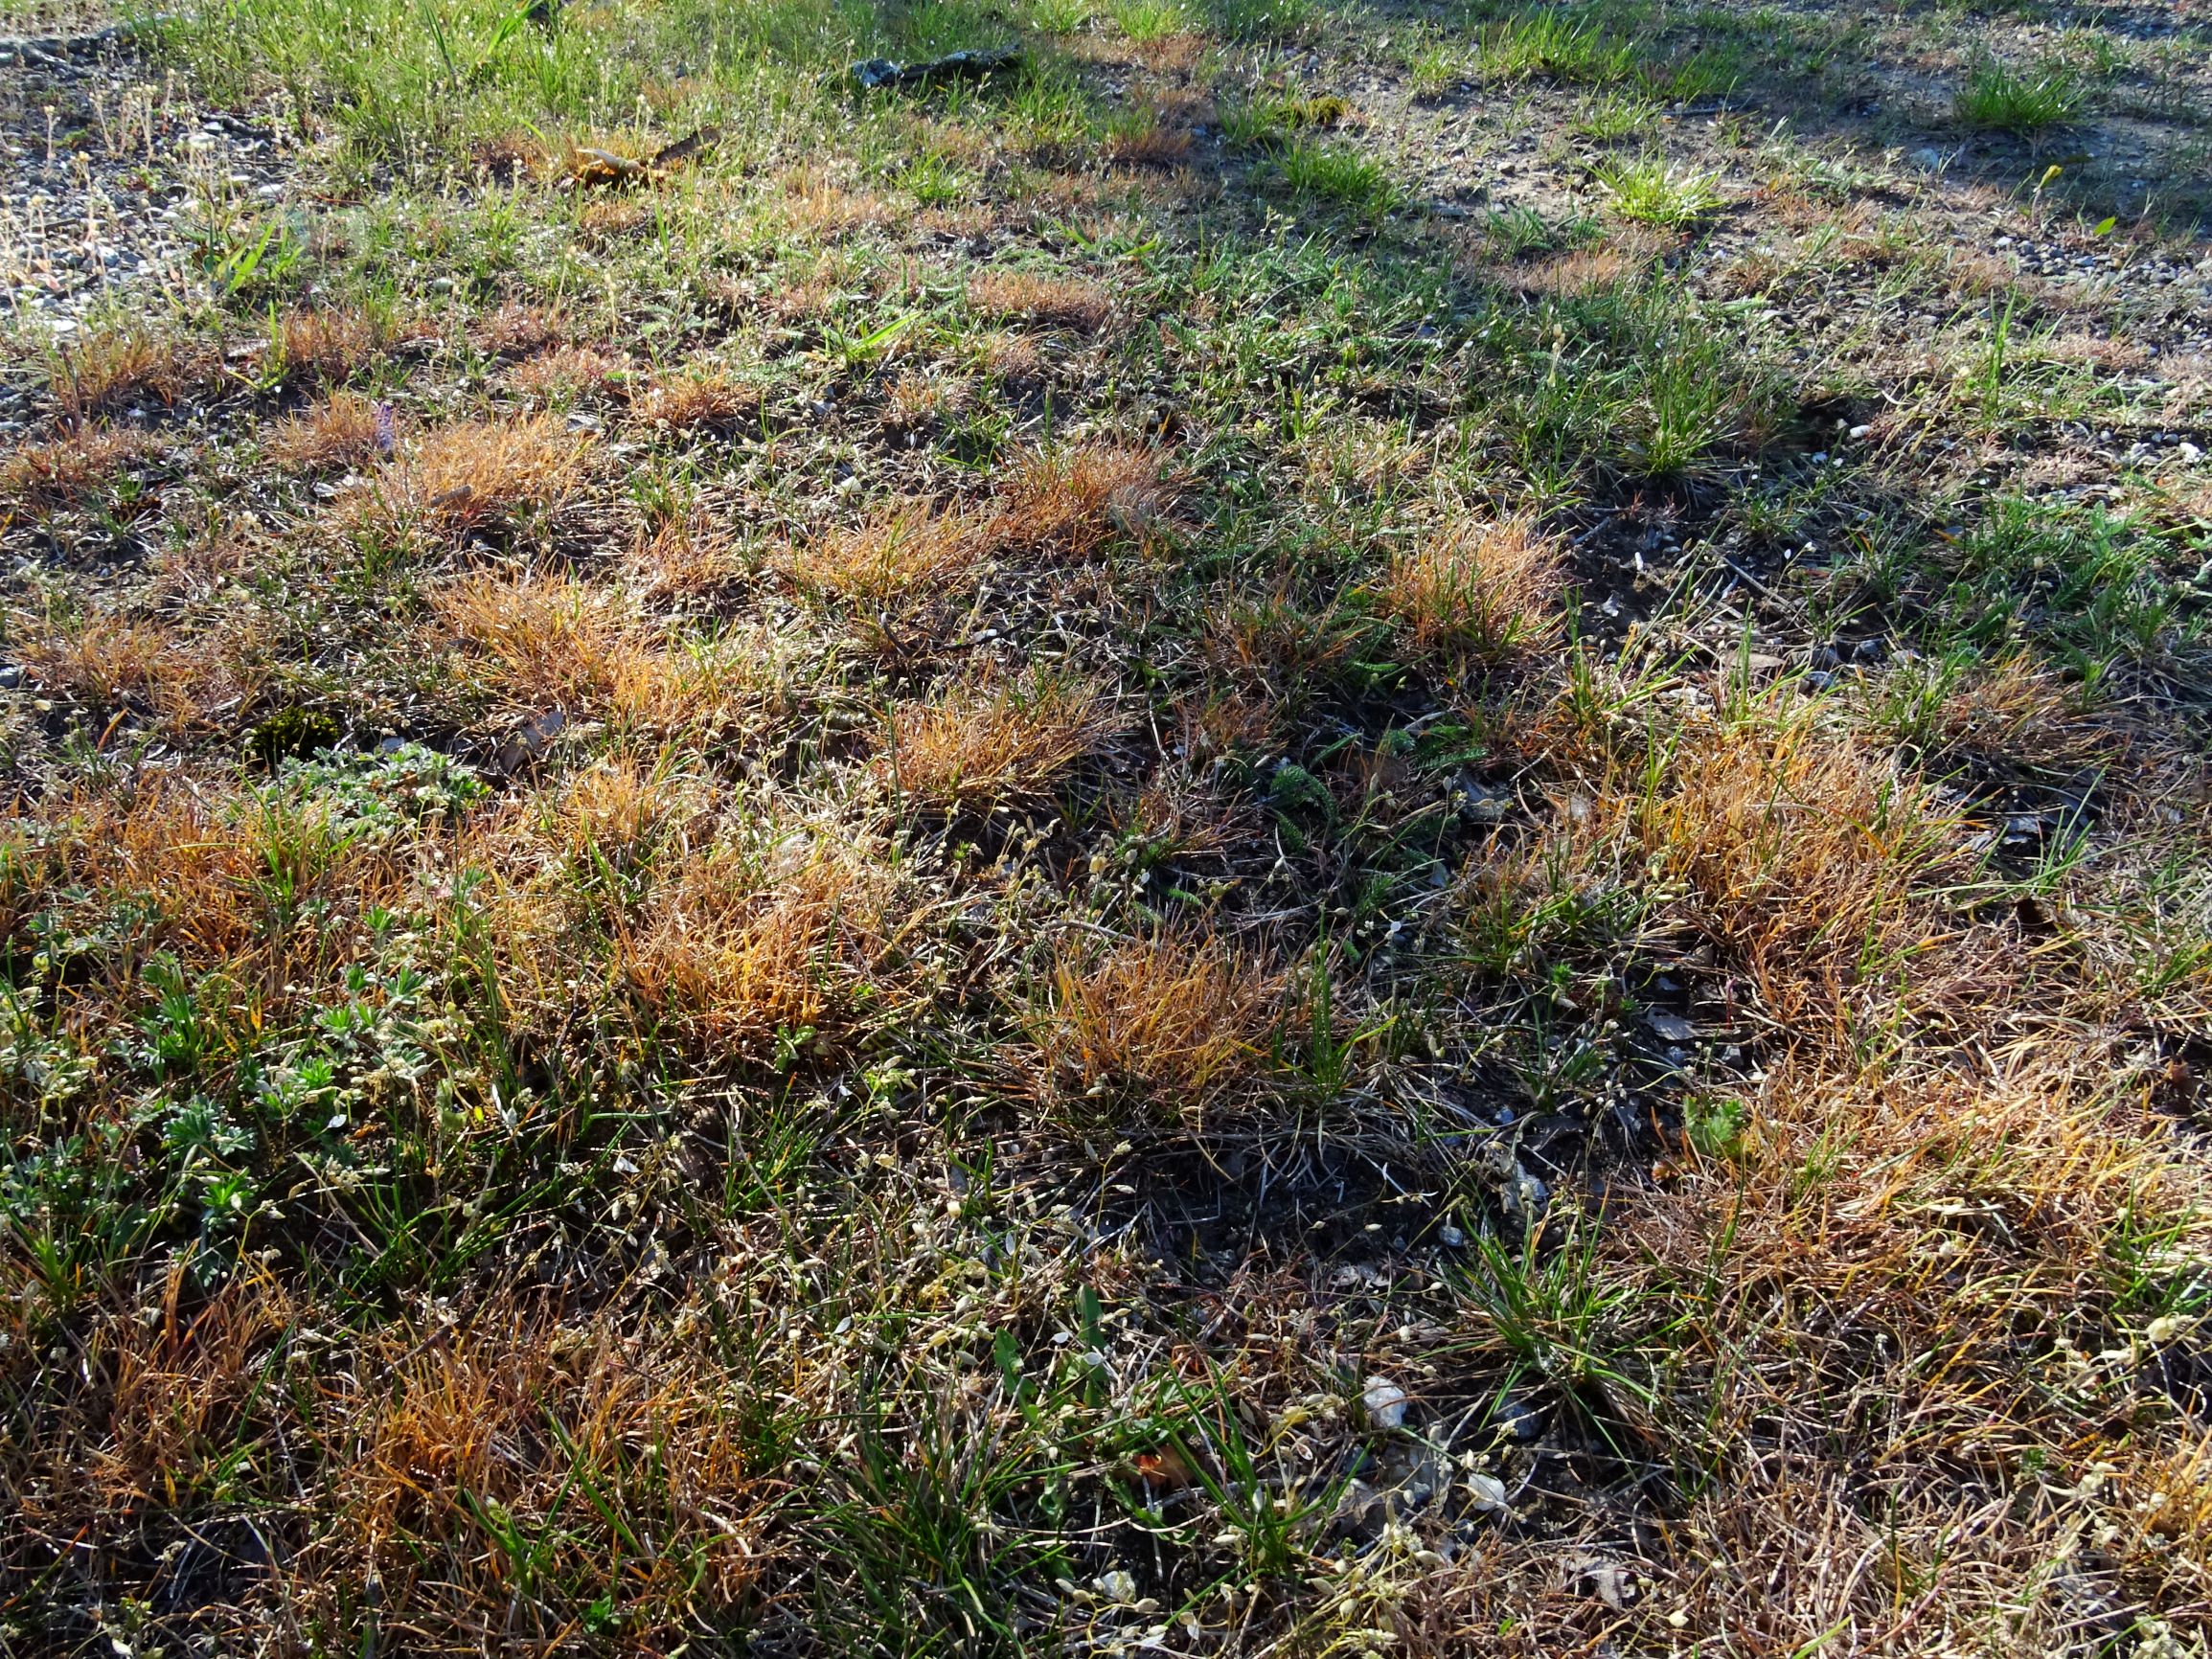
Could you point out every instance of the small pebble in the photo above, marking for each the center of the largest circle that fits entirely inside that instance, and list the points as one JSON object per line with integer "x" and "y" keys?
{"x": 1385, "y": 1403}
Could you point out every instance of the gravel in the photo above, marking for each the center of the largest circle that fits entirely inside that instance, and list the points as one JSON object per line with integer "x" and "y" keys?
{"x": 115, "y": 181}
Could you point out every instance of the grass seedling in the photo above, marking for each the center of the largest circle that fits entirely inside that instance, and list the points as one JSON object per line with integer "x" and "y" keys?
{"x": 1998, "y": 97}
{"x": 1649, "y": 190}
{"x": 1340, "y": 179}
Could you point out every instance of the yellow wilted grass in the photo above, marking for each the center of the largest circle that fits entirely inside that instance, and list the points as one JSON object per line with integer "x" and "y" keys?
{"x": 1074, "y": 502}
{"x": 115, "y": 663}
{"x": 1802, "y": 853}
{"x": 535, "y": 640}
{"x": 912, "y": 547}
{"x": 48, "y": 477}
{"x": 706, "y": 400}
{"x": 544, "y": 641}
{"x": 1067, "y": 505}
{"x": 326, "y": 345}
{"x": 108, "y": 370}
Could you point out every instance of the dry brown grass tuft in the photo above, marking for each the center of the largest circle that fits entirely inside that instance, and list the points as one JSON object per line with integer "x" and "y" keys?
{"x": 1068, "y": 505}
{"x": 1803, "y": 855}
{"x": 991, "y": 739}
{"x": 919, "y": 403}
{"x": 478, "y": 477}
{"x": 108, "y": 662}
{"x": 1224, "y": 721}
{"x": 533, "y": 642}
{"x": 543, "y": 642}
{"x": 340, "y": 432}
{"x": 184, "y": 1389}
{"x": 685, "y": 559}
{"x": 705, "y": 400}
{"x": 566, "y": 374}
{"x": 103, "y": 660}
{"x": 816, "y": 205}
{"x": 2019, "y": 710}
{"x": 1051, "y": 301}
{"x": 51, "y": 477}
{"x": 1181, "y": 1023}
{"x": 1158, "y": 141}
{"x": 517, "y": 153}
{"x": 1914, "y": 1266}
{"x": 204, "y": 853}
{"x": 1073, "y": 503}
{"x": 435, "y": 1444}
{"x": 777, "y": 932}
{"x": 621, "y": 812}
{"x": 915, "y": 547}
{"x": 153, "y": 1432}
{"x": 1476, "y": 591}
{"x": 325, "y": 345}
{"x": 1563, "y": 275}
{"x": 1267, "y": 647}
{"x": 1014, "y": 360}
{"x": 965, "y": 222}
{"x": 109, "y": 372}
{"x": 515, "y": 330}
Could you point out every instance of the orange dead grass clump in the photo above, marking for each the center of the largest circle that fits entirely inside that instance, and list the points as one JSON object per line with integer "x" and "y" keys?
{"x": 1068, "y": 505}
{"x": 207, "y": 857}
{"x": 1943, "y": 1246}
{"x": 988, "y": 740}
{"x": 515, "y": 330}
{"x": 339, "y": 432}
{"x": 1804, "y": 853}
{"x": 110, "y": 370}
{"x": 1154, "y": 142}
{"x": 563, "y": 374}
{"x": 103, "y": 659}
{"x": 181, "y": 1391}
{"x": 604, "y": 222}
{"x": 112, "y": 663}
{"x": 536, "y": 641}
{"x": 1563, "y": 275}
{"x": 431, "y": 1444}
{"x": 1054, "y": 301}
{"x": 49, "y": 477}
{"x": 327, "y": 345}
{"x": 767, "y": 935}
{"x": 1179, "y": 1021}
{"x": 480, "y": 476}
{"x": 815, "y": 204}
{"x": 539, "y": 642}
{"x": 436, "y": 1442}
{"x": 685, "y": 558}
{"x": 1477, "y": 590}
{"x": 1074, "y": 502}
{"x": 919, "y": 400}
{"x": 619, "y": 811}
{"x": 2014, "y": 707}
{"x": 913, "y": 546}
{"x": 1803, "y": 856}
{"x": 707, "y": 399}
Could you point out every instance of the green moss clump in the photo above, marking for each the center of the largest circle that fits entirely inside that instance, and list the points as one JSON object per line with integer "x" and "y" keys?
{"x": 292, "y": 733}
